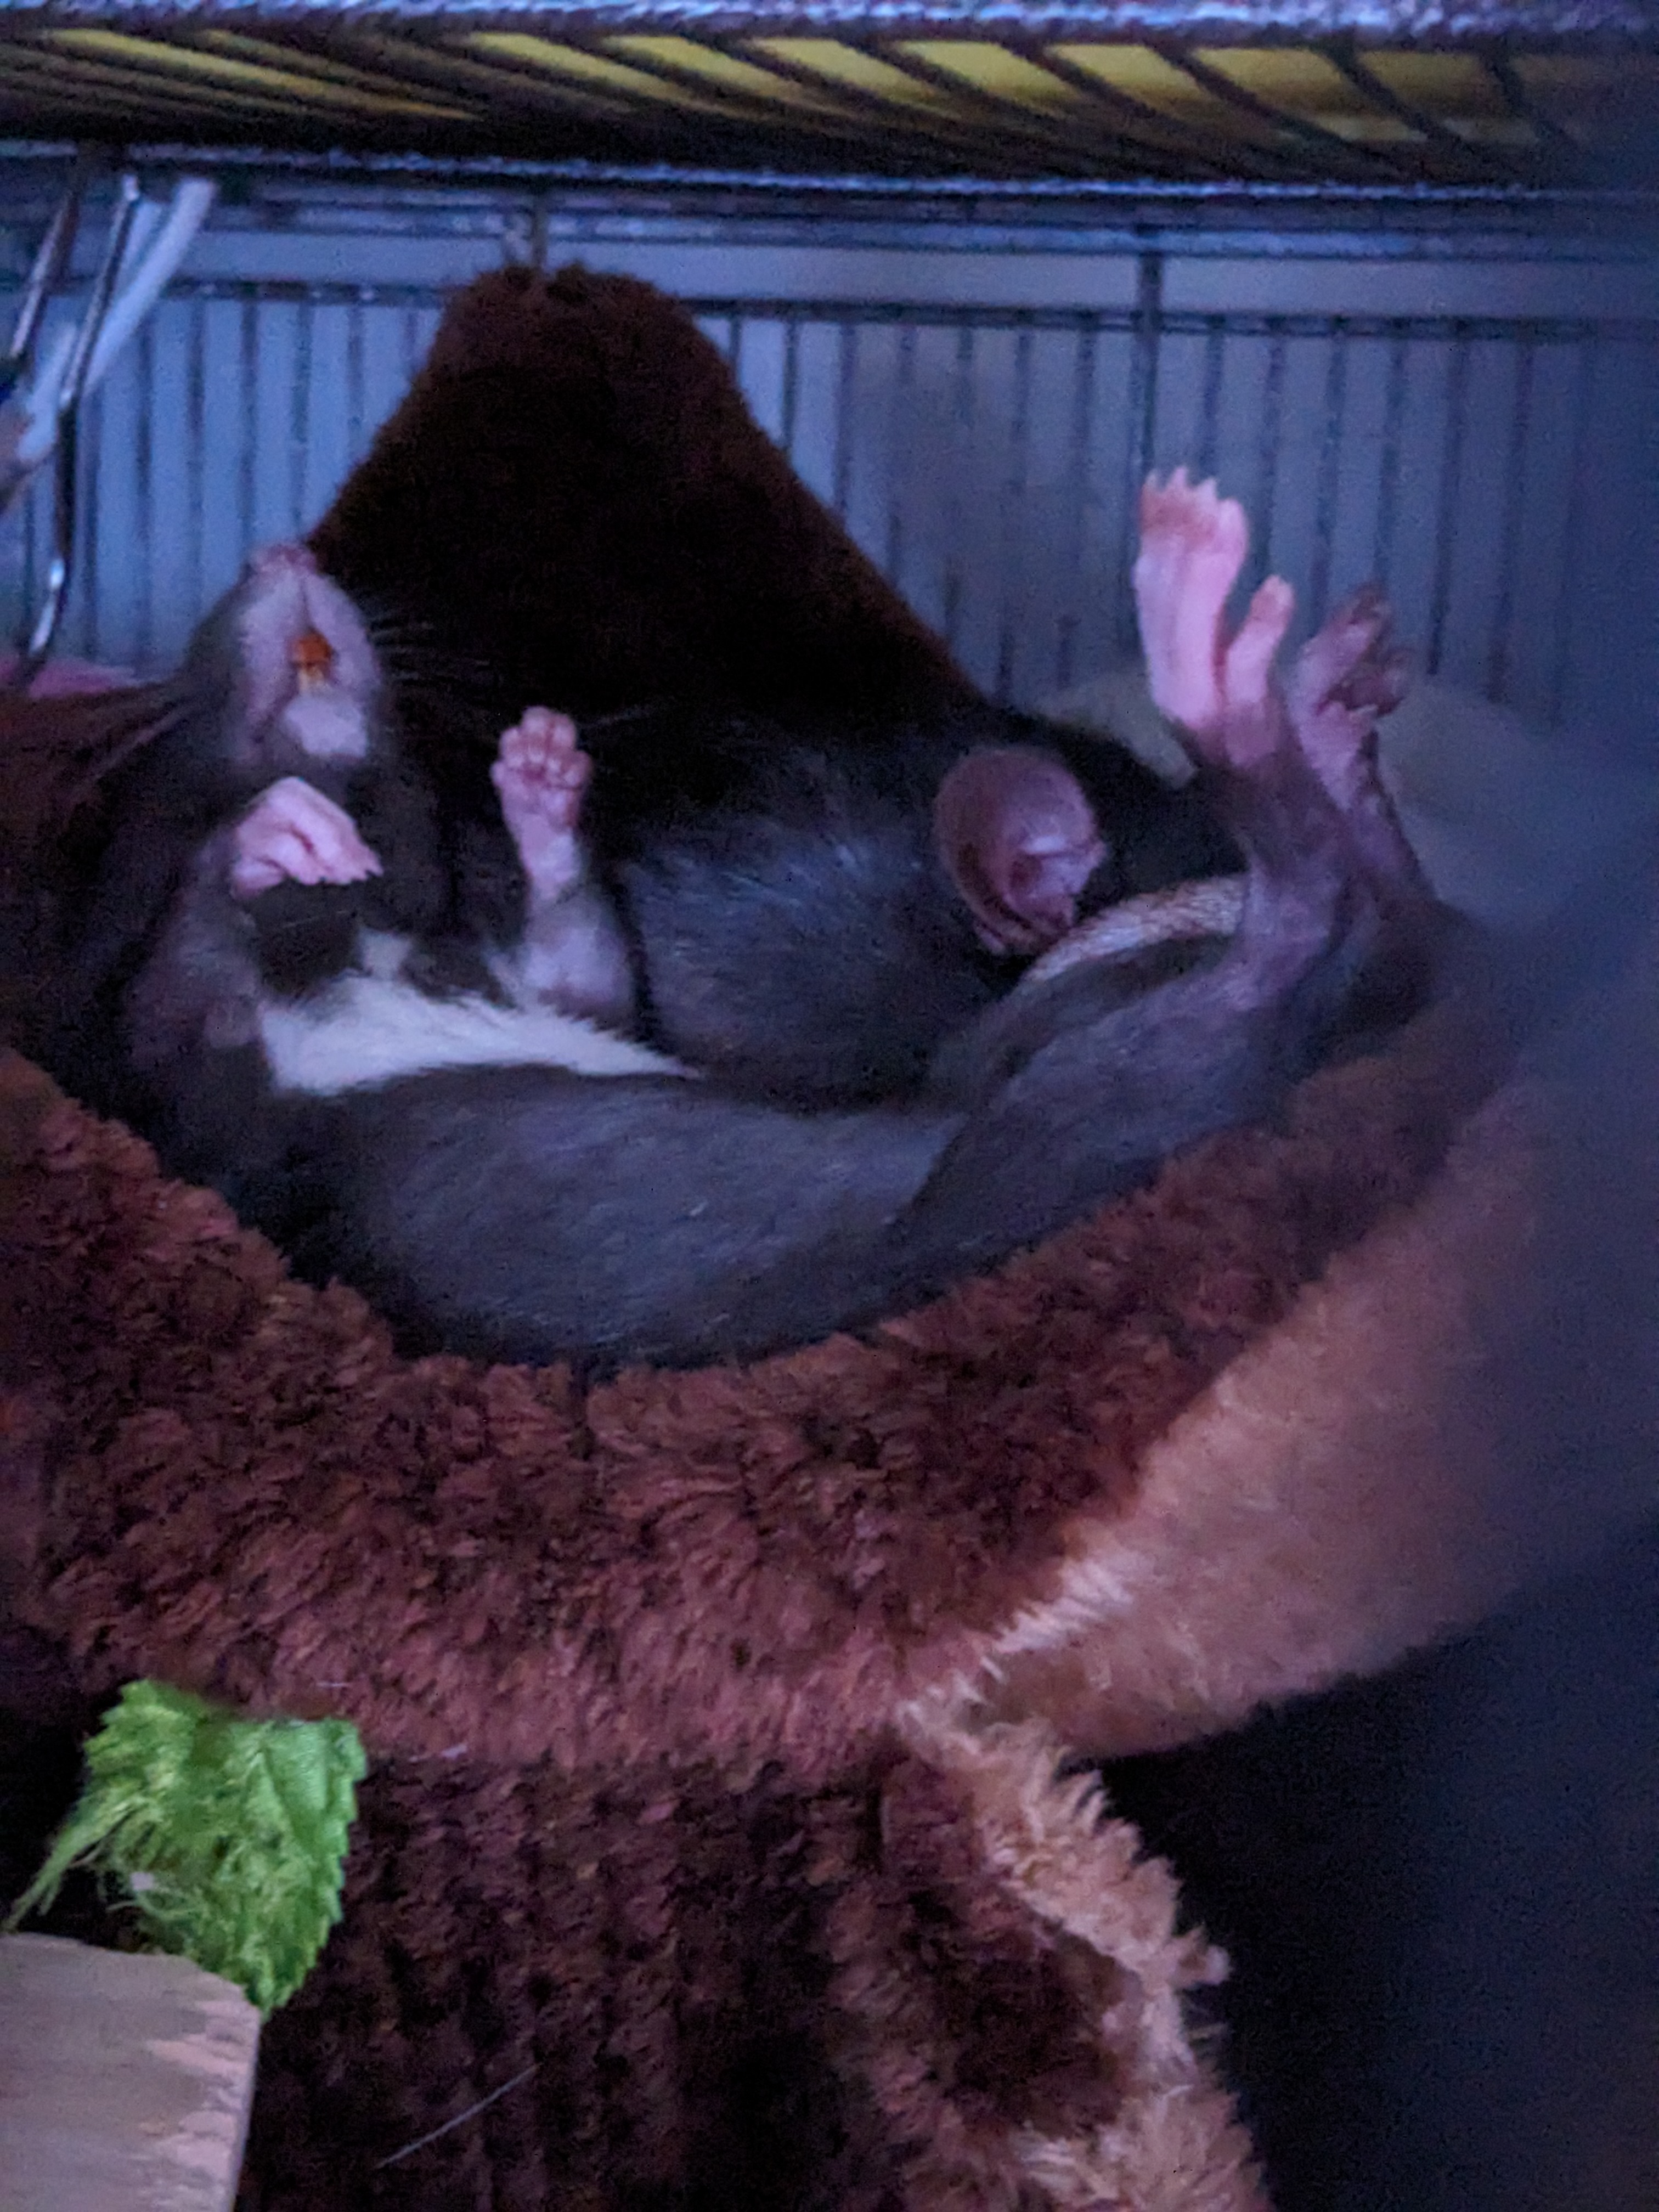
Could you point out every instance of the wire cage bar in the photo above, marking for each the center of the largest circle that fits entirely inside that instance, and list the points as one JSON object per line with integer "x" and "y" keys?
{"x": 986, "y": 454}
{"x": 981, "y": 421}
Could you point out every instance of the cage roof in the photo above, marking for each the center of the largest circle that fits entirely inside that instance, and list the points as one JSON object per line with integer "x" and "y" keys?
{"x": 1528, "y": 93}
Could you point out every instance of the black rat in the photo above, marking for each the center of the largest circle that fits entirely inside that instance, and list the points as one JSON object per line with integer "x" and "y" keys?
{"x": 573, "y": 505}
{"x": 274, "y": 847}
{"x": 816, "y": 904}
{"x": 813, "y": 906}
{"x": 530, "y": 1212}
{"x": 283, "y": 866}
{"x": 527, "y": 1214}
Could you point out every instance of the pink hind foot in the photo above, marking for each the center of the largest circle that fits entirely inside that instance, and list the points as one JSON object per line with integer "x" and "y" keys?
{"x": 1192, "y": 548}
{"x": 1192, "y": 545}
{"x": 292, "y": 834}
{"x": 540, "y": 774}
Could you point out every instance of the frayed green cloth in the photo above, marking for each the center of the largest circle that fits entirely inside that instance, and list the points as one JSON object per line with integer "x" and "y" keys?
{"x": 228, "y": 1835}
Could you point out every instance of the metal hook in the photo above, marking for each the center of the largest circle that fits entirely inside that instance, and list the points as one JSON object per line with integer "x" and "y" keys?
{"x": 35, "y": 642}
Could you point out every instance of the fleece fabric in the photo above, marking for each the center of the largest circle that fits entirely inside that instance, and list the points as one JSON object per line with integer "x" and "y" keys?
{"x": 730, "y": 1837}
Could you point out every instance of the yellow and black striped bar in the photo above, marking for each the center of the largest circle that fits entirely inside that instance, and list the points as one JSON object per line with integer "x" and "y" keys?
{"x": 1536, "y": 96}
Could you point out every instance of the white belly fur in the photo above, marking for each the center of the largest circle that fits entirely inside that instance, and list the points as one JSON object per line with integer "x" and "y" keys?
{"x": 372, "y": 1029}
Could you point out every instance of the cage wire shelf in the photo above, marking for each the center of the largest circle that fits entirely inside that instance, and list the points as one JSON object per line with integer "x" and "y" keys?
{"x": 1504, "y": 93}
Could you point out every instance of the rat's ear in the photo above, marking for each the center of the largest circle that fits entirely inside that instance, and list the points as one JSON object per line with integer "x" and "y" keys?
{"x": 1019, "y": 839}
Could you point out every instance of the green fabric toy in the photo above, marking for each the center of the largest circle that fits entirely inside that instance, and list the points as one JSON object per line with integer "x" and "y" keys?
{"x": 228, "y": 1835}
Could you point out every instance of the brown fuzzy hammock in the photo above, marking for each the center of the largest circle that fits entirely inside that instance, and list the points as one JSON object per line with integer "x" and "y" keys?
{"x": 716, "y": 1719}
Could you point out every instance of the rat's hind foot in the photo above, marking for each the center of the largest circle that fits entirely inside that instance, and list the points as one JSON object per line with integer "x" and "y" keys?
{"x": 1192, "y": 548}
{"x": 1347, "y": 678}
{"x": 292, "y": 834}
{"x": 1356, "y": 657}
{"x": 540, "y": 774}
{"x": 1221, "y": 691}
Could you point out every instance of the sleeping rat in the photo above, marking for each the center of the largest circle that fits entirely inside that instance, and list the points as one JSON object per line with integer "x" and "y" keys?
{"x": 276, "y": 909}
{"x": 813, "y": 906}
{"x": 275, "y": 841}
{"x": 808, "y": 921}
{"x": 574, "y": 505}
{"x": 811, "y": 915}
{"x": 525, "y": 1213}
{"x": 817, "y": 905}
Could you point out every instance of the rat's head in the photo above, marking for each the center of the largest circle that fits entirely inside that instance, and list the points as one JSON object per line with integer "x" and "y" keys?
{"x": 300, "y": 676}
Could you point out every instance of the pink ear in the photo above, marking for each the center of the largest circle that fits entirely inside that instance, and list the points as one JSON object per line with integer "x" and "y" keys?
{"x": 1019, "y": 841}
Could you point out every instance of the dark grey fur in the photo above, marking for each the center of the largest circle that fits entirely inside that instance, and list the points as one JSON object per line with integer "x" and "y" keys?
{"x": 795, "y": 931}
{"x": 529, "y": 1214}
